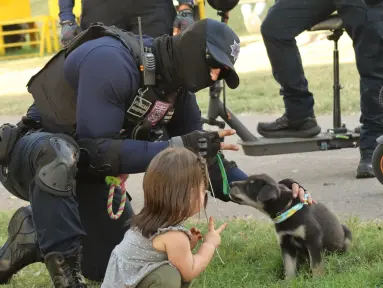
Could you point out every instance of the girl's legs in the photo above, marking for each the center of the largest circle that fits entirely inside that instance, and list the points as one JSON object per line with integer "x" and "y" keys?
{"x": 165, "y": 276}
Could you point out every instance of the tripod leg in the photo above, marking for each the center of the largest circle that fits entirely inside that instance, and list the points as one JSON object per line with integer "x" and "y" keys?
{"x": 337, "y": 112}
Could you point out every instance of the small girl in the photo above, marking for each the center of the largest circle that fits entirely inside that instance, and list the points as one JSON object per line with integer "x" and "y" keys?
{"x": 157, "y": 250}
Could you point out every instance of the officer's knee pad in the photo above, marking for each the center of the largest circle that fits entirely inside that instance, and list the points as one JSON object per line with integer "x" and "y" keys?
{"x": 58, "y": 166}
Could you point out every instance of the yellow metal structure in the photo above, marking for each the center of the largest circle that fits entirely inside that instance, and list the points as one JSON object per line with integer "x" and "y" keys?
{"x": 16, "y": 12}
{"x": 11, "y": 9}
{"x": 201, "y": 8}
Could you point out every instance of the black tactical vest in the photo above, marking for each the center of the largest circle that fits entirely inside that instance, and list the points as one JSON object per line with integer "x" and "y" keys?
{"x": 56, "y": 100}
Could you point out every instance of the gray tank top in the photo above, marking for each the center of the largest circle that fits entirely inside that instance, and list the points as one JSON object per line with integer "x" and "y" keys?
{"x": 134, "y": 258}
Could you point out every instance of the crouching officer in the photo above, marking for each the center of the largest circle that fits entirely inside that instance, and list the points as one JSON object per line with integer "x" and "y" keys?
{"x": 105, "y": 106}
{"x": 158, "y": 16}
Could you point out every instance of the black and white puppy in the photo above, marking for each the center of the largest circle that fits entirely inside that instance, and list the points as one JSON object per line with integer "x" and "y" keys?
{"x": 310, "y": 231}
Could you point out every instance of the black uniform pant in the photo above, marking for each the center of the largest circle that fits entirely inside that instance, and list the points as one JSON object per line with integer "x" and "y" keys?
{"x": 288, "y": 18}
{"x": 57, "y": 219}
{"x": 157, "y": 16}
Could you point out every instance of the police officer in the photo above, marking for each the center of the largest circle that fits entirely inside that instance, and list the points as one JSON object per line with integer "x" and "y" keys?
{"x": 98, "y": 108}
{"x": 158, "y": 16}
{"x": 364, "y": 24}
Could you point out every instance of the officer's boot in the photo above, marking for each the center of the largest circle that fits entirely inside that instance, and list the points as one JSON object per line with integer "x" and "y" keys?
{"x": 365, "y": 169}
{"x": 21, "y": 248}
{"x": 65, "y": 271}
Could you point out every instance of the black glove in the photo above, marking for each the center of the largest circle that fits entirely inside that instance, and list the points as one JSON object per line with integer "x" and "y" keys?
{"x": 9, "y": 134}
{"x": 289, "y": 183}
{"x": 205, "y": 144}
{"x": 69, "y": 30}
{"x": 27, "y": 124}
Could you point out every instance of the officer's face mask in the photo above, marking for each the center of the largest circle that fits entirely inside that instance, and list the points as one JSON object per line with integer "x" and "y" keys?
{"x": 192, "y": 54}
{"x": 194, "y": 69}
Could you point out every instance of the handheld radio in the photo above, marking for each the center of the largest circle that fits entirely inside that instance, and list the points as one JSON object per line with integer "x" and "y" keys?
{"x": 148, "y": 62}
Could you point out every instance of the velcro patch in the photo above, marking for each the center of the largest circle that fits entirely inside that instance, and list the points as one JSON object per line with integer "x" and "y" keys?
{"x": 168, "y": 116}
{"x": 158, "y": 111}
{"x": 139, "y": 107}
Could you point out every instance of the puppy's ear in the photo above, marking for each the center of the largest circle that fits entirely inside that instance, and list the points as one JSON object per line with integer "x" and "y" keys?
{"x": 268, "y": 192}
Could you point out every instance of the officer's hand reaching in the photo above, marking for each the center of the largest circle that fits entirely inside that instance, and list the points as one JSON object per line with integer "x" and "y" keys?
{"x": 206, "y": 144}
{"x": 69, "y": 30}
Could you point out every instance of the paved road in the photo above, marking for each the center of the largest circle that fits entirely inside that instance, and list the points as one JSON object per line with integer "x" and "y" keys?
{"x": 330, "y": 176}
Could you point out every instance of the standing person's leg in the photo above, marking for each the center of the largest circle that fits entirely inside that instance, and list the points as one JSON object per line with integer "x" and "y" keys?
{"x": 285, "y": 20}
{"x": 42, "y": 170}
{"x": 165, "y": 276}
{"x": 365, "y": 26}
{"x": 108, "y": 12}
{"x": 157, "y": 17}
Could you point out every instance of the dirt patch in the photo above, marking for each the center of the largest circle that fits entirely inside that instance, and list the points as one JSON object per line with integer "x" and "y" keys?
{"x": 15, "y": 74}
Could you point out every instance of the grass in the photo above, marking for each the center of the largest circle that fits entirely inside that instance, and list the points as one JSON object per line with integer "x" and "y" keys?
{"x": 252, "y": 259}
{"x": 258, "y": 93}
{"x": 14, "y": 105}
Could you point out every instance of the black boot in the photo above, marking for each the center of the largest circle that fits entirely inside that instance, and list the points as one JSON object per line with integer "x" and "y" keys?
{"x": 65, "y": 271}
{"x": 21, "y": 248}
{"x": 285, "y": 128}
{"x": 364, "y": 169}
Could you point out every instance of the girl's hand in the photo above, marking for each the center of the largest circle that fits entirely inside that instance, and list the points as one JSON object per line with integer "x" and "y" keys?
{"x": 213, "y": 236}
{"x": 196, "y": 237}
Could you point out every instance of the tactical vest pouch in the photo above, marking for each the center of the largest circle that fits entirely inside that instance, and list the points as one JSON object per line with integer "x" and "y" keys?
{"x": 9, "y": 134}
{"x": 54, "y": 97}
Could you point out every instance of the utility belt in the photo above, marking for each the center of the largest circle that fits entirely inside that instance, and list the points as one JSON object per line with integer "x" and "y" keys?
{"x": 10, "y": 134}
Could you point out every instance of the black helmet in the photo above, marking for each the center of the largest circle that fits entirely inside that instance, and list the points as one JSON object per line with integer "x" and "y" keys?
{"x": 223, "y": 5}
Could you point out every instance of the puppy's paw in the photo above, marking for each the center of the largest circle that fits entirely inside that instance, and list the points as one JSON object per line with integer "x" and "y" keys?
{"x": 319, "y": 270}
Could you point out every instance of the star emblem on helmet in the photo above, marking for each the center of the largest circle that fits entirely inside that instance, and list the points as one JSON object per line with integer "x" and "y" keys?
{"x": 235, "y": 48}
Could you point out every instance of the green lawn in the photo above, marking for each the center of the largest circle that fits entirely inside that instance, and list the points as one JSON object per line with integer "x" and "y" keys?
{"x": 258, "y": 93}
{"x": 252, "y": 259}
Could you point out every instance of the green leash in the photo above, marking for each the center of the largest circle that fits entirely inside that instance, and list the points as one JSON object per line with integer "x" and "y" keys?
{"x": 225, "y": 183}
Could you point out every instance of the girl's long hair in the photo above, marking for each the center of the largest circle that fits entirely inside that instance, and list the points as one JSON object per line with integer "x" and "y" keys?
{"x": 172, "y": 185}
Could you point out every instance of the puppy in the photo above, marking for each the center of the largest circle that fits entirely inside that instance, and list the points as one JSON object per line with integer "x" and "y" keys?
{"x": 308, "y": 232}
